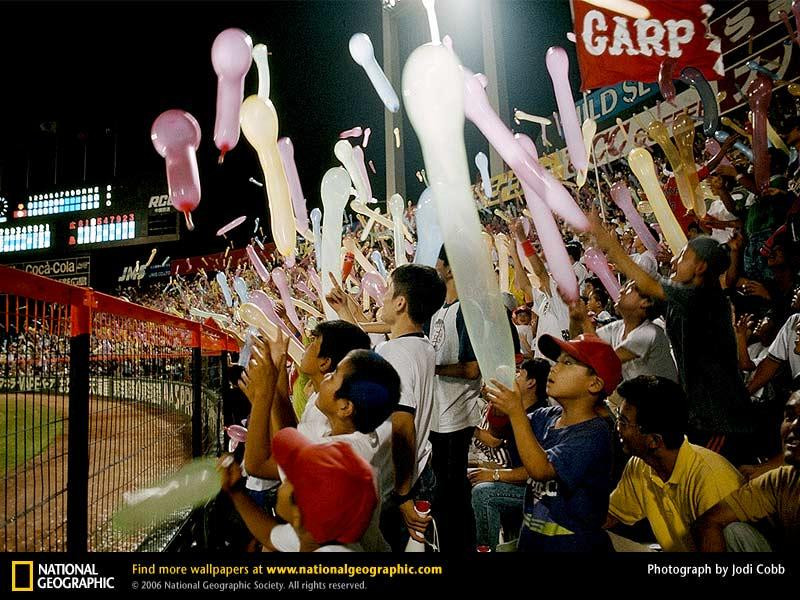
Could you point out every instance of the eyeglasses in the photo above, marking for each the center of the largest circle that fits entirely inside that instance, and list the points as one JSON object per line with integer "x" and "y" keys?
{"x": 623, "y": 423}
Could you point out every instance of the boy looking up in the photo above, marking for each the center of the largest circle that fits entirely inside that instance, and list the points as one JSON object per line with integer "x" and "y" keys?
{"x": 566, "y": 449}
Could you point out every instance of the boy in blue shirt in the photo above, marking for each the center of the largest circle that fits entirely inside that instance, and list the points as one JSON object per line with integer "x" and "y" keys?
{"x": 566, "y": 449}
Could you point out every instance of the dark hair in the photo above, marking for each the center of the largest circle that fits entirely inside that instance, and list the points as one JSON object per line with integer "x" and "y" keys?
{"x": 339, "y": 338}
{"x": 443, "y": 256}
{"x": 537, "y": 369}
{"x": 661, "y": 407}
{"x": 574, "y": 250}
{"x": 602, "y": 295}
{"x": 373, "y": 386}
{"x": 422, "y": 288}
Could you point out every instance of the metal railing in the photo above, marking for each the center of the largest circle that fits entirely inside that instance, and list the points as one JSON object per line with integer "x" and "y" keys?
{"x": 99, "y": 396}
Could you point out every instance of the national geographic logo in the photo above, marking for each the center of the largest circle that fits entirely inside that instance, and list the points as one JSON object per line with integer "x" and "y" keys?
{"x": 25, "y": 577}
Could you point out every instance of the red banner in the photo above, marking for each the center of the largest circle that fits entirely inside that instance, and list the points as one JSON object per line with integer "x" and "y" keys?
{"x": 613, "y": 48}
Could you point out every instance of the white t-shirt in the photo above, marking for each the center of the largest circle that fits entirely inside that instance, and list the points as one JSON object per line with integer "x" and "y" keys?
{"x": 456, "y": 398}
{"x": 314, "y": 418}
{"x": 757, "y": 352}
{"x": 783, "y": 347}
{"x": 414, "y": 359}
{"x": 646, "y": 261}
{"x": 375, "y": 448}
{"x": 525, "y": 333}
{"x": 553, "y": 316}
{"x": 718, "y": 211}
{"x": 581, "y": 273}
{"x": 649, "y": 342}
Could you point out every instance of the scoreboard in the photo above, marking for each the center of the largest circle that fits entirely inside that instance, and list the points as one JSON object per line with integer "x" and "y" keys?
{"x": 74, "y": 219}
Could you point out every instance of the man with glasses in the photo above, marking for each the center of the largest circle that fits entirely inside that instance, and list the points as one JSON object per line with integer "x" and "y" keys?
{"x": 668, "y": 481}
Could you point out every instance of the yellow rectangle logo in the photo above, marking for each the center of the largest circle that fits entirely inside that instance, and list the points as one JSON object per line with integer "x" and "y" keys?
{"x": 18, "y": 566}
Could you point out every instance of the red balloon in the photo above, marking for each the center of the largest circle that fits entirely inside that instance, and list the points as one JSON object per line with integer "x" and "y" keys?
{"x": 759, "y": 95}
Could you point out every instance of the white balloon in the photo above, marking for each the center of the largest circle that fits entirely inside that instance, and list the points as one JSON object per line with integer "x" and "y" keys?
{"x": 433, "y": 89}
{"x": 429, "y": 235}
{"x": 482, "y": 162}
{"x": 335, "y": 192}
{"x": 362, "y": 52}
{"x": 260, "y": 57}
{"x": 396, "y": 207}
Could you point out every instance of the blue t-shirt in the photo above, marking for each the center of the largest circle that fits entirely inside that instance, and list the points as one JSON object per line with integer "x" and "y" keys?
{"x": 566, "y": 514}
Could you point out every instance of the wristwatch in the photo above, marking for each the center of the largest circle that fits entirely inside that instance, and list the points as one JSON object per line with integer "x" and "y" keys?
{"x": 496, "y": 475}
{"x": 400, "y": 498}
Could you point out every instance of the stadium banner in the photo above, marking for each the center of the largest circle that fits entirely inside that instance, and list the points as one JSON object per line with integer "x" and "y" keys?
{"x": 613, "y": 48}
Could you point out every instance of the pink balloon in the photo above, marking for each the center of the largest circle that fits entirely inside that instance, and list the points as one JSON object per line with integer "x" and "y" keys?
{"x": 759, "y": 95}
{"x": 302, "y": 287}
{"x": 264, "y": 302}
{"x": 666, "y": 76}
{"x": 288, "y": 261}
{"x": 375, "y": 286}
{"x": 231, "y": 56}
{"x": 237, "y": 433}
{"x": 598, "y": 264}
{"x": 553, "y": 246}
{"x": 622, "y": 198}
{"x": 282, "y": 283}
{"x": 286, "y": 151}
{"x": 367, "y": 133}
{"x": 312, "y": 275}
{"x": 176, "y": 136}
{"x": 351, "y": 133}
{"x": 257, "y": 264}
{"x": 558, "y": 67}
{"x": 358, "y": 156}
{"x": 232, "y": 225}
{"x": 713, "y": 148}
{"x": 525, "y": 166}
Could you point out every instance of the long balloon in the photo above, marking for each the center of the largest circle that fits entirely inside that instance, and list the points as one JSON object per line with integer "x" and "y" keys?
{"x": 267, "y": 307}
{"x": 482, "y": 162}
{"x": 363, "y": 53}
{"x": 396, "y": 206}
{"x": 708, "y": 98}
{"x": 433, "y": 88}
{"x": 527, "y": 169}
{"x": 358, "y": 158}
{"x": 721, "y": 136}
{"x": 260, "y": 57}
{"x": 621, "y": 196}
{"x": 226, "y": 291}
{"x": 501, "y": 243}
{"x": 282, "y": 283}
{"x": 253, "y": 315}
{"x": 286, "y": 151}
{"x": 316, "y": 223}
{"x": 683, "y": 132}
{"x": 641, "y": 163}
{"x": 232, "y": 225}
{"x": 657, "y": 132}
{"x": 231, "y": 56}
{"x": 260, "y": 127}
{"x": 377, "y": 260}
{"x": 558, "y": 66}
{"x": 429, "y": 234}
{"x": 549, "y": 234}
{"x": 598, "y": 264}
{"x": 257, "y": 264}
{"x": 335, "y": 193}
{"x": 240, "y": 287}
{"x": 176, "y": 135}
{"x": 344, "y": 152}
{"x": 759, "y": 95}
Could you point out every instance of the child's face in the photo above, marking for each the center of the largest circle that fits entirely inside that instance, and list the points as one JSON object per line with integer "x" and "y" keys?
{"x": 523, "y": 318}
{"x": 309, "y": 365}
{"x": 569, "y": 378}
{"x": 327, "y": 402}
{"x": 594, "y": 304}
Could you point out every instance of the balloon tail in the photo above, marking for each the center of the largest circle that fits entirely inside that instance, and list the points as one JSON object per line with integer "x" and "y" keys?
{"x": 222, "y": 153}
{"x": 189, "y": 223}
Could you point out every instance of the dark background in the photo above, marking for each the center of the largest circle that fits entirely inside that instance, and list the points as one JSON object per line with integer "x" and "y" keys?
{"x": 101, "y": 72}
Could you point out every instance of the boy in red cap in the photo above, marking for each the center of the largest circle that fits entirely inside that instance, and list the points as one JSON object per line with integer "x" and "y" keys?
{"x": 328, "y": 496}
{"x": 566, "y": 449}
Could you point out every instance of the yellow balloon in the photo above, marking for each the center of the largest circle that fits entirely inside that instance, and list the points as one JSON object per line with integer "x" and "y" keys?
{"x": 683, "y": 131}
{"x": 657, "y": 132}
{"x": 641, "y": 163}
{"x": 729, "y": 123}
{"x": 589, "y": 129}
{"x": 260, "y": 127}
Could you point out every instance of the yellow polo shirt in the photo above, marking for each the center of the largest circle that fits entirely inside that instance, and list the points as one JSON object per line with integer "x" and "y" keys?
{"x": 774, "y": 494}
{"x": 700, "y": 479}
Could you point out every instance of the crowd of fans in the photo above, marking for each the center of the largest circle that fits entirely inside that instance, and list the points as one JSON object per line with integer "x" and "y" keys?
{"x": 666, "y": 418}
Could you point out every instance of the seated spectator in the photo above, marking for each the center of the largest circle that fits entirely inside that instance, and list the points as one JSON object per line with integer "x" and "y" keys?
{"x": 774, "y": 495}
{"x": 642, "y": 346}
{"x": 566, "y": 449}
{"x": 499, "y": 488}
{"x": 784, "y": 350}
{"x": 522, "y": 321}
{"x": 597, "y": 301}
{"x": 327, "y": 497}
{"x": 668, "y": 481}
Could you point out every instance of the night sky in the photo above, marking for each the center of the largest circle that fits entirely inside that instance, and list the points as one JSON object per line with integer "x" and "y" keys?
{"x": 106, "y": 70}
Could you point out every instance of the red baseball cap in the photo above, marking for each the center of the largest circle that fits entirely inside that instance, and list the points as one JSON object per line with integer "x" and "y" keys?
{"x": 591, "y": 351}
{"x": 333, "y": 486}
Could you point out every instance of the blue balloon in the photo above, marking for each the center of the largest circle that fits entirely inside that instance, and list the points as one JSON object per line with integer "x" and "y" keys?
{"x": 696, "y": 79}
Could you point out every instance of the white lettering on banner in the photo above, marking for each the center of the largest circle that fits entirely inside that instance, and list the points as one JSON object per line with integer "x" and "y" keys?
{"x": 739, "y": 25}
{"x": 651, "y": 35}
{"x": 132, "y": 274}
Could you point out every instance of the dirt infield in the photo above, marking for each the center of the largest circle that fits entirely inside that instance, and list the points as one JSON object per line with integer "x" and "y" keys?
{"x": 130, "y": 445}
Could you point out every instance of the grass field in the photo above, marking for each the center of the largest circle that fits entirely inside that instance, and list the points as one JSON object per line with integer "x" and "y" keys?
{"x": 25, "y": 431}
